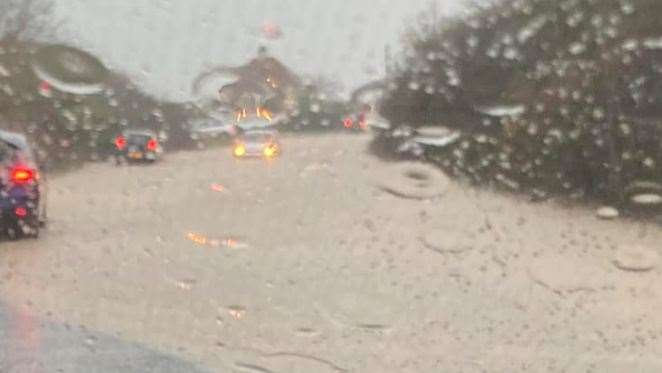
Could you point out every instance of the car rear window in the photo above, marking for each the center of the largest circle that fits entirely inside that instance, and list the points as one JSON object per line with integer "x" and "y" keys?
{"x": 138, "y": 139}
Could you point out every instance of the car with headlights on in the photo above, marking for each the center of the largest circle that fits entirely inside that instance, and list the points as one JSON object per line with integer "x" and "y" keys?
{"x": 257, "y": 144}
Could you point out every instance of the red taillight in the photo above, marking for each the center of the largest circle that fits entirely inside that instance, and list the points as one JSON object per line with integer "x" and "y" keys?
{"x": 22, "y": 175}
{"x": 21, "y": 212}
{"x": 120, "y": 142}
{"x": 152, "y": 145}
{"x": 348, "y": 123}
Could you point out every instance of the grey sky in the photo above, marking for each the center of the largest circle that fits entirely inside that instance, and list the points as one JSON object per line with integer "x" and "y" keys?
{"x": 164, "y": 44}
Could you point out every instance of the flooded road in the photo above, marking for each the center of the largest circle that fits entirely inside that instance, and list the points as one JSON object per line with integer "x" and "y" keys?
{"x": 311, "y": 263}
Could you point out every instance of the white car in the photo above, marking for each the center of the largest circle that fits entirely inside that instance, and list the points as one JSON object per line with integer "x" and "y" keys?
{"x": 257, "y": 144}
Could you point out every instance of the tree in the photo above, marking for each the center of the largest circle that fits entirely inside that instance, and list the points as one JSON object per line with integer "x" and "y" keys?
{"x": 26, "y": 19}
{"x": 585, "y": 73}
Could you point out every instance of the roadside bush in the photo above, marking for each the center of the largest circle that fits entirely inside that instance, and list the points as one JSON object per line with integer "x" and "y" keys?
{"x": 552, "y": 97}
{"x": 315, "y": 112}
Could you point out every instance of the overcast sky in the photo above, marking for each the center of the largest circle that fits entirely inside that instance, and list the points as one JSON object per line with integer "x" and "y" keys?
{"x": 165, "y": 44}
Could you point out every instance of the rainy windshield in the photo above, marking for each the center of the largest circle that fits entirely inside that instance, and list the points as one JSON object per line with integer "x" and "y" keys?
{"x": 455, "y": 186}
{"x": 5, "y": 151}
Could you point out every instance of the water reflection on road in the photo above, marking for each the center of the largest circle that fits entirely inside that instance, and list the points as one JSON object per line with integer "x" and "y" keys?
{"x": 31, "y": 345}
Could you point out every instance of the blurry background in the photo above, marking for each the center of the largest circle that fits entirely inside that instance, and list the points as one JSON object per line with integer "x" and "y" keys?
{"x": 165, "y": 44}
{"x": 546, "y": 98}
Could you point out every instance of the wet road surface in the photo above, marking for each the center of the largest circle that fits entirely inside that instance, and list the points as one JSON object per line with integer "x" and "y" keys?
{"x": 309, "y": 264}
{"x": 29, "y": 345}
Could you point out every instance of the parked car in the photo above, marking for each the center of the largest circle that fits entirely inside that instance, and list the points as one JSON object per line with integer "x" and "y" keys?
{"x": 22, "y": 189}
{"x": 137, "y": 145}
{"x": 211, "y": 129}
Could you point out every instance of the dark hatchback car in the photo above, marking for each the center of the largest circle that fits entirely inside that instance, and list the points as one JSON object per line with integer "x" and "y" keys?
{"x": 22, "y": 198}
{"x": 138, "y": 145}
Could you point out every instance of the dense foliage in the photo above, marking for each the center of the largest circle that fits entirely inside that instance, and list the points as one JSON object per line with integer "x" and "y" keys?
{"x": 67, "y": 127}
{"x": 583, "y": 76}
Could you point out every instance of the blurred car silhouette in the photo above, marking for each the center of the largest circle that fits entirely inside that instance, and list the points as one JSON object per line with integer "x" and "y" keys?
{"x": 22, "y": 197}
{"x": 137, "y": 145}
{"x": 253, "y": 124}
{"x": 257, "y": 144}
{"x": 211, "y": 129}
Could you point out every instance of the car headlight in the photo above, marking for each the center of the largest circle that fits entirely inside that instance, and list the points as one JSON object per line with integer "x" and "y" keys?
{"x": 240, "y": 150}
{"x": 270, "y": 151}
